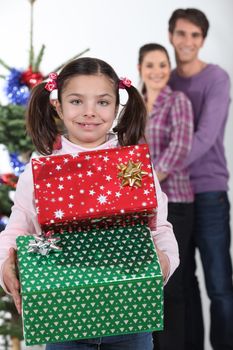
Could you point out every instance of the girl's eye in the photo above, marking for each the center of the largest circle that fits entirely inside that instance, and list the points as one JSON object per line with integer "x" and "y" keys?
{"x": 76, "y": 102}
{"x": 104, "y": 103}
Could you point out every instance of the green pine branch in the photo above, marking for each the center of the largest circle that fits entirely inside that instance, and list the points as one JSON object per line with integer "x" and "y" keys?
{"x": 4, "y": 64}
{"x": 13, "y": 129}
{"x": 36, "y": 66}
{"x": 11, "y": 322}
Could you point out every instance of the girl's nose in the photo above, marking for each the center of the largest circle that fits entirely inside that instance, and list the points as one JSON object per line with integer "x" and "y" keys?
{"x": 89, "y": 111}
{"x": 89, "y": 115}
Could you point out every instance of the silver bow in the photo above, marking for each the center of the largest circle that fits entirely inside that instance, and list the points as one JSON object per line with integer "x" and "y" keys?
{"x": 43, "y": 246}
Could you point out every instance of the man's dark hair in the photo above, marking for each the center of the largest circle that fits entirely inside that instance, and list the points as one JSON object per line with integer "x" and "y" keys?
{"x": 192, "y": 15}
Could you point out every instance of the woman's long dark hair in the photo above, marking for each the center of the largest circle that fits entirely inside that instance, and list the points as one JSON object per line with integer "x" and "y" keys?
{"x": 41, "y": 116}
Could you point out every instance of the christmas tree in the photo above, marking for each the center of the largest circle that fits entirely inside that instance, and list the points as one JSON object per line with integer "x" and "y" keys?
{"x": 15, "y": 151}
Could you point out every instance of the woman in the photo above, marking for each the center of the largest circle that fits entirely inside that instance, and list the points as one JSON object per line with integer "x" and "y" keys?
{"x": 169, "y": 133}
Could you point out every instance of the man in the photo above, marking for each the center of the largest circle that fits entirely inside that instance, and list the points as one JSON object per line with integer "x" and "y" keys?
{"x": 207, "y": 86}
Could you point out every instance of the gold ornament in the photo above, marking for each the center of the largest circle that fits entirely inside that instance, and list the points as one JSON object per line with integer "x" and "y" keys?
{"x": 131, "y": 174}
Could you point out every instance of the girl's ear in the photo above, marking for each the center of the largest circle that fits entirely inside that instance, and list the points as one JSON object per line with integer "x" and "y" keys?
{"x": 58, "y": 109}
{"x": 53, "y": 102}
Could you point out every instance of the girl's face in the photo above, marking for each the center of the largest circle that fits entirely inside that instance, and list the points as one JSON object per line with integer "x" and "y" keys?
{"x": 155, "y": 70}
{"x": 88, "y": 109}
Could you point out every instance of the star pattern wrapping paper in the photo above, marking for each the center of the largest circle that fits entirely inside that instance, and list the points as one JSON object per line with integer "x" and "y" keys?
{"x": 94, "y": 186}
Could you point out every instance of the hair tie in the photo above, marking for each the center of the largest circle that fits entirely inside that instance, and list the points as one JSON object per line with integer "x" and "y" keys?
{"x": 52, "y": 83}
{"x": 124, "y": 82}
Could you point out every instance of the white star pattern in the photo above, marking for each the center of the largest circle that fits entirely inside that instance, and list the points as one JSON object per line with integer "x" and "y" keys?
{"x": 102, "y": 199}
{"x": 59, "y": 214}
{"x": 88, "y": 185}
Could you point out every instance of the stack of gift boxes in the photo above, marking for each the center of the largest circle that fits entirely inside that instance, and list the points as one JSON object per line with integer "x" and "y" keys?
{"x": 94, "y": 270}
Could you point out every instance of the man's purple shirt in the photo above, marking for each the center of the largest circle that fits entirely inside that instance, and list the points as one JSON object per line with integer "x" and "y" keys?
{"x": 209, "y": 92}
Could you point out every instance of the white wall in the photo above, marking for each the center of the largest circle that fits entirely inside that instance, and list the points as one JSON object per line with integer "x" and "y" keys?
{"x": 114, "y": 30}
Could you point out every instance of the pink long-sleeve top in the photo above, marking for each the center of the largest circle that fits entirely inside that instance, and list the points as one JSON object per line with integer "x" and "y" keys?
{"x": 23, "y": 219}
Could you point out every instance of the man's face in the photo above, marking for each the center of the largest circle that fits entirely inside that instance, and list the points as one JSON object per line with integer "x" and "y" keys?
{"x": 187, "y": 39}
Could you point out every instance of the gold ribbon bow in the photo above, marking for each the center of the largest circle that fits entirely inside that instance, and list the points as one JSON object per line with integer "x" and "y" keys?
{"x": 131, "y": 174}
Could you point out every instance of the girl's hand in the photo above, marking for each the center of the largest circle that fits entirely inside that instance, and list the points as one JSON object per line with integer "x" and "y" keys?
{"x": 164, "y": 262}
{"x": 10, "y": 278}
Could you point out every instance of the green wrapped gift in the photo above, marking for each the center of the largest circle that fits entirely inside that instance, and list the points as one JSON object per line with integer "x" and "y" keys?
{"x": 102, "y": 283}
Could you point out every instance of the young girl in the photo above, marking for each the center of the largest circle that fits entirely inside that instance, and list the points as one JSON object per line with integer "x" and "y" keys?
{"x": 169, "y": 132}
{"x": 87, "y": 104}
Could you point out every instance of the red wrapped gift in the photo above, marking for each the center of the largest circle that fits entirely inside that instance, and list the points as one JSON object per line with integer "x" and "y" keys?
{"x": 94, "y": 188}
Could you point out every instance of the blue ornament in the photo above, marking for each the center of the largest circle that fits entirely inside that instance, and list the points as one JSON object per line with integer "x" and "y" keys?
{"x": 16, "y": 91}
{"x": 3, "y": 222}
{"x": 16, "y": 164}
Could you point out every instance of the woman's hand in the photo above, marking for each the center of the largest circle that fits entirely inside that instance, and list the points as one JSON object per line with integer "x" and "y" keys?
{"x": 10, "y": 278}
{"x": 164, "y": 263}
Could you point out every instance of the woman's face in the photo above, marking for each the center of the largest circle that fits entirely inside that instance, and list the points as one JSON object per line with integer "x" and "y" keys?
{"x": 155, "y": 70}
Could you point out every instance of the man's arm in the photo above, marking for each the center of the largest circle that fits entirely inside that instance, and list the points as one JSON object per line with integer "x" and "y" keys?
{"x": 212, "y": 119}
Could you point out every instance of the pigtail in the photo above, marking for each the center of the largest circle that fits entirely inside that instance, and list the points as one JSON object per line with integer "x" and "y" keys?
{"x": 40, "y": 120}
{"x": 132, "y": 119}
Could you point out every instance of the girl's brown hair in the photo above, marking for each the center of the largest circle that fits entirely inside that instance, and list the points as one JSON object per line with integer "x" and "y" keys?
{"x": 41, "y": 116}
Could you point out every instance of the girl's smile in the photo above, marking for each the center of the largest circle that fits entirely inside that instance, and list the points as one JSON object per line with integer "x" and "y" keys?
{"x": 88, "y": 109}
